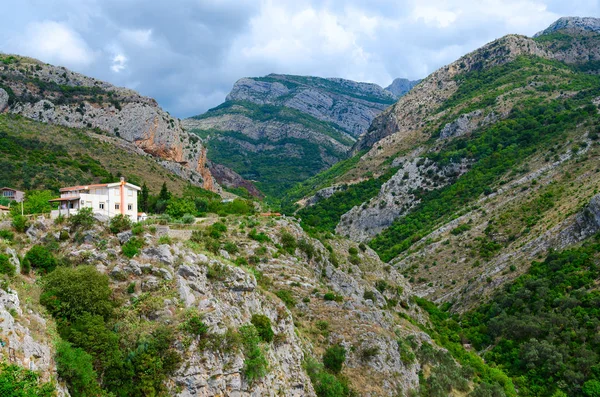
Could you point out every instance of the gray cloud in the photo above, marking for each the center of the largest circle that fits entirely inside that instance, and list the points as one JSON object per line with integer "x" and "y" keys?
{"x": 188, "y": 53}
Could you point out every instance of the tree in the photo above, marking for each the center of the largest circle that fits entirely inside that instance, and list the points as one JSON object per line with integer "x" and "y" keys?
{"x": 178, "y": 207}
{"x": 74, "y": 365}
{"x": 143, "y": 198}
{"x": 39, "y": 257}
{"x": 68, "y": 293}
{"x": 164, "y": 194}
{"x": 36, "y": 202}
{"x": 20, "y": 382}
{"x": 263, "y": 327}
{"x": 334, "y": 358}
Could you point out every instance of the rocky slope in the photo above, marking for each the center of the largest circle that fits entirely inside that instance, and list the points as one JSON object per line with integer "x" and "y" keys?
{"x": 456, "y": 221}
{"x": 315, "y": 296}
{"x": 281, "y": 129}
{"x": 57, "y": 95}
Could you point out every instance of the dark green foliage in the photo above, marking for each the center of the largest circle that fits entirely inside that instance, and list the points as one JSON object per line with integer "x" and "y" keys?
{"x": 217, "y": 272}
{"x": 326, "y": 214}
{"x": 262, "y": 324}
{"x": 40, "y": 257}
{"x": 164, "y": 194}
{"x": 231, "y": 248}
{"x": 119, "y": 223}
{"x": 255, "y": 362}
{"x": 74, "y": 366}
{"x": 132, "y": 247}
{"x": 217, "y": 229}
{"x": 7, "y": 235}
{"x": 194, "y": 325}
{"x": 334, "y": 358}
{"x": 258, "y": 236}
{"x": 68, "y": 293}
{"x": 532, "y": 124}
{"x": 287, "y": 297}
{"x": 178, "y": 207}
{"x": 331, "y": 296}
{"x": 20, "y": 223}
{"x": 325, "y": 383}
{"x": 16, "y": 381}
{"x": 5, "y": 266}
{"x": 525, "y": 328}
{"x": 288, "y": 242}
{"x": 307, "y": 247}
{"x": 144, "y": 198}
{"x": 84, "y": 218}
{"x": 461, "y": 229}
{"x": 369, "y": 295}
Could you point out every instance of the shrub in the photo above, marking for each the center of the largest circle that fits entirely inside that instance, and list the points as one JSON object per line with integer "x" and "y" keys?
{"x": 7, "y": 235}
{"x": 255, "y": 363}
{"x": 5, "y": 266}
{"x": 260, "y": 237}
{"x": 178, "y": 207}
{"x": 287, "y": 297}
{"x": 306, "y": 247}
{"x": 20, "y": 223}
{"x": 119, "y": 223}
{"x": 84, "y": 218}
{"x": 188, "y": 219}
{"x": 137, "y": 229}
{"x": 262, "y": 324}
{"x": 194, "y": 325}
{"x": 165, "y": 239}
{"x": 330, "y": 296}
{"x": 132, "y": 247}
{"x": 75, "y": 367}
{"x": 369, "y": 295}
{"x": 369, "y": 353}
{"x": 353, "y": 251}
{"x": 69, "y": 292}
{"x": 230, "y": 247}
{"x": 212, "y": 245}
{"x": 16, "y": 381}
{"x": 381, "y": 285}
{"x": 218, "y": 272}
{"x": 334, "y": 358}
{"x": 362, "y": 247}
{"x": 131, "y": 288}
{"x": 217, "y": 229}
{"x": 39, "y": 257}
{"x": 288, "y": 241}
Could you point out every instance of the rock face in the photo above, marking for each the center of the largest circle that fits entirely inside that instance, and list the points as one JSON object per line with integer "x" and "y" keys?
{"x": 400, "y": 87}
{"x": 296, "y": 125}
{"x": 572, "y": 24}
{"x": 56, "y": 95}
{"x": 348, "y": 104}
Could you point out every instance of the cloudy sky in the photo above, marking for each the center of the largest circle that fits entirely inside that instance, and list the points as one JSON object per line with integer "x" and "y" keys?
{"x": 188, "y": 53}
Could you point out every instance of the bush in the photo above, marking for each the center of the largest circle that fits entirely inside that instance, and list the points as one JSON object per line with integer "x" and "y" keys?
{"x": 330, "y": 296}
{"x": 178, "y": 207}
{"x": 5, "y": 266}
{"x": 218, "y": 272}
{"x": 230, "y": 247}
{"x": 216, "y": 230}
{"x": 20, "y": 223}
{"x": 132, "y": 247}
{"x": 260, "y": 237}
{"x": 119, "y": 223}
{"x": 194, "y": 325}
{"x": 306, "y": 247}
{"x": 369, "y": 295}
{"x": 353, "y": 251}
{"x": 288, "y": 241}
{"x": 188, "y": 219}
{"x": 262, "y": 324}
{"x": 16, "y": 381}
{"x": 287, "y": 297}
{"x": 255, "y": 363}
{"x": 334, "y": 358}
{"x": 381, "y": 285}
{"x": 69, "y": 292}
{"x": 75, "y": 367}
{"x": 369, "y": 353}
{"x": 39, "y": 257}
{"x": 84, "y": 218}
{"x": 7, "y": 235}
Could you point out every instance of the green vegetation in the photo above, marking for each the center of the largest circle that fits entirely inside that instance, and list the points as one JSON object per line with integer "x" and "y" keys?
{"x": 20, "y": 382}
{"x": 255, "y": 363}
{"x": 262, "y": 324}
{"x": 334, "y": 358}
{"x": 533, "y": 124}
{"x": 119, "y": 223}
{"x": 95, "y": 352}
{"x": 39, "y": 257}
{"x": 325, "y": 214}
{"x": 6, "y": 267}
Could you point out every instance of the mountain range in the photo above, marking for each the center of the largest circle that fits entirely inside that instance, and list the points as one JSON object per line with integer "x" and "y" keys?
{"x": 440, "y": 238}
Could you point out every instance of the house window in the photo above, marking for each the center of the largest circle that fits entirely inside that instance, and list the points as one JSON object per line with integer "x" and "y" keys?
{"x": 117, "y": 206}
{"x": 101, "y": 206}
{"x": 130, "y": 192}
{"x": 129, "y": 207}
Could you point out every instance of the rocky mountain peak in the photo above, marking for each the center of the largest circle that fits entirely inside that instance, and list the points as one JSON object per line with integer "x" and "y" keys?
{"x": 401, "y": 86}
{"x": 588, "y": 24}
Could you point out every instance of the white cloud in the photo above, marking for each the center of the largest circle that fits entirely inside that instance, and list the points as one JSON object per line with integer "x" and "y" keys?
{"x": 54, "y": 42}
{"x": 119, "y": 62}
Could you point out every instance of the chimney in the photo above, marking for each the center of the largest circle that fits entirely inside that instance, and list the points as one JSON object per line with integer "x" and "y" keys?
{"x": 122, "y": 179}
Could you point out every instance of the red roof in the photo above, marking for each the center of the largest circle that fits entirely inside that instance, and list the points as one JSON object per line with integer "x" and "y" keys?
{"x": 2, "y": 207}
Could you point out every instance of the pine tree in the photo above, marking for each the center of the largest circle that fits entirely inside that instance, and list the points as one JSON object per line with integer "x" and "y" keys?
{"x": 144, "y": 197}
{"x": 164, "y": 194}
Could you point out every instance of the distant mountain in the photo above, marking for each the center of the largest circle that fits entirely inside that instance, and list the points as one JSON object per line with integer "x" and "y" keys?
{"x": 282, "y": 129}
{"x": 572, "y": 24}
{"x": 400, "y": 87}
{"x": 56, "y": 95}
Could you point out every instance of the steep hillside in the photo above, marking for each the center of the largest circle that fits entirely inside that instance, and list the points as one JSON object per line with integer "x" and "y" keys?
{"x": 465, "y": 172}
{"x": 58, "y": 96}
{"x": 280, "y": 129}
{"x": 400, "y": 87}
{"x": 236, "y": 305}
{"x": 35, "y": 155}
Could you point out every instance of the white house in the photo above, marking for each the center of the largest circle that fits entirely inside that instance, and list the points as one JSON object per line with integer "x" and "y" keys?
{"x": 107, "y": 199}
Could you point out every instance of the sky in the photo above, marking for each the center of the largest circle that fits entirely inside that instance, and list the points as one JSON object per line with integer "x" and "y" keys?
{"x": 188, "y": 53}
